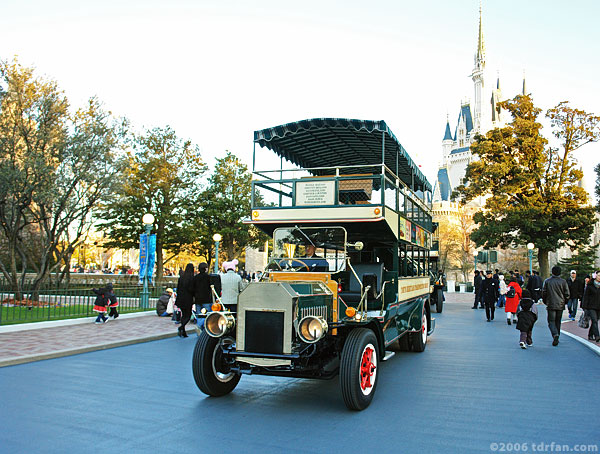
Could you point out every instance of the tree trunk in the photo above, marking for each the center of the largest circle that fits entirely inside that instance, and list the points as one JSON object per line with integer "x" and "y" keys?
{"x": 543, "y": 262}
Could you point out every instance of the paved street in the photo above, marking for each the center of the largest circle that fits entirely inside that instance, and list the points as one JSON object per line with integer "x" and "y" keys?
{"x": 473, "y": 386}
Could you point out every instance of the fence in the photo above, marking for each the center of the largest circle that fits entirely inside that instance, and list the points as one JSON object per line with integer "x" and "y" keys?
{"x": 75, "y": 301}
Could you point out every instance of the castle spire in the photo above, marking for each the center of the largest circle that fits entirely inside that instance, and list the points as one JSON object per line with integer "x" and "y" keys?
{"x": 524, "y": 86}
{"x": 480, "y": 57}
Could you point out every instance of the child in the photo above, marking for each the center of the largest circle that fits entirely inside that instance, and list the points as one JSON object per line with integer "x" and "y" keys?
{"x": 513, "y": 296}
{"x": 100, "y": 305}
{"x": 112, "y": 303}
{"x": 527, "y": 314}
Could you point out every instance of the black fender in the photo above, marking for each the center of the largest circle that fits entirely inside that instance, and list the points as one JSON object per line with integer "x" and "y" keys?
{"x": 375, "y": 326}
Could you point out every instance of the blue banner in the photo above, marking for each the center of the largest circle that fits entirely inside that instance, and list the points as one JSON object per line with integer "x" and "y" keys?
{"x": 151, "y": 257}
{"x": 143, "y": 256}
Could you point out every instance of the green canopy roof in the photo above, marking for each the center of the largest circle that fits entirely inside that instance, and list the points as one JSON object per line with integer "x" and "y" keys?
{"x": 331, "y": 142}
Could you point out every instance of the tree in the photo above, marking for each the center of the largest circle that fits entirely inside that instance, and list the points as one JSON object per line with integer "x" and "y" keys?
{"x": 163, "y": 177}
{"x": 582, "y": 262}
{"x": 597, "y": 189}
{"x": 225, "y": 203}
{"x": 54, "y": 167}
{"x": 532, "y": 190}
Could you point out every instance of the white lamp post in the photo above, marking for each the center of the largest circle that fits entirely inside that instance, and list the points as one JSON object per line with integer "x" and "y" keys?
{"x": 530, "y": 247}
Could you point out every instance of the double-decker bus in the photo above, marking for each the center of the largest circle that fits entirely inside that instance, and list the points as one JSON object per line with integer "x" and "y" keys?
{"x": 348, "y": 279}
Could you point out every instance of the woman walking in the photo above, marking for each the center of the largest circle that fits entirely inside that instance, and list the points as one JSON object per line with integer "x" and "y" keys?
{"x": 185, "y": 297}
{"x": 591, "y": 306}
{"x": 513, "y": 297}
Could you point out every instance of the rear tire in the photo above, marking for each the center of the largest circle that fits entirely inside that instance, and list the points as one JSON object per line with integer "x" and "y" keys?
{"x": 211, "y": 373}
{"x": 439, "y": 306}
{"x": 358, "y": 368}
{"x": 418, "y": 340}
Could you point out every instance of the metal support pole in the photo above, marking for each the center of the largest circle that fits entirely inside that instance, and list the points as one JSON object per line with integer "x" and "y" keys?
{"x": 530, "y": 260}
{"x": 216, "y": 257}
{"x": 144, "y": 303}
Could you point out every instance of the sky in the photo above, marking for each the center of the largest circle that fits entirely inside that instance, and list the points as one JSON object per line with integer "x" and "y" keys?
{"x": 216, "y": 70}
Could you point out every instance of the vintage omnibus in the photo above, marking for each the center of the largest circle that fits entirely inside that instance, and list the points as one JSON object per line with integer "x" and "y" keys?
{"x": 348, "y": 280}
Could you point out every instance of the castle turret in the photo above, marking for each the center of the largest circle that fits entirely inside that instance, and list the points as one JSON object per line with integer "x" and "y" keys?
{"x": 478, "y": 79}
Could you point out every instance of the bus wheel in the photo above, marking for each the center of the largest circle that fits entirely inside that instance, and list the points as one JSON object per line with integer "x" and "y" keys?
{"x": 358, "y": 368}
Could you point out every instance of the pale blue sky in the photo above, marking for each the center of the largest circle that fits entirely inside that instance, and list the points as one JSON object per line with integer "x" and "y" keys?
{"x": 217, "y": 70}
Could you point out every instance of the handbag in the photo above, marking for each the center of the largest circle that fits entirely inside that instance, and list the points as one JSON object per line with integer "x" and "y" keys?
{"x": 584, "y": 321}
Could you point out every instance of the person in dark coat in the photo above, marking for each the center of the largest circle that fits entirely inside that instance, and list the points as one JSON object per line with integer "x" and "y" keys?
{"x": 477, "y": 285}
{"x": 163, "y": 303}
{"x": 527, "y": 315}
{"x": 100, "y": 304}
{"x": 576, "y": 294}
{"x": 536, "y": 292}
{"x": 203, "y": 297}
{"x": 113, "y": 303}
{"x": 555, "y": 294}
{"x": 591, "y": 306}
{"x": 185, "y": 297}
{"x": 489, "y": 294}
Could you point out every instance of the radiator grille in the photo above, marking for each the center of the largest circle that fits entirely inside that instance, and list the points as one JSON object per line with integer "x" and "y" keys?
{"x": 264, "y": 332}
{"x": 319, "y": 311}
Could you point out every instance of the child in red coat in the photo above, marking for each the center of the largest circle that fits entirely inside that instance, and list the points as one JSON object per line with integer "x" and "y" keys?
{"x": 513, "y": 297}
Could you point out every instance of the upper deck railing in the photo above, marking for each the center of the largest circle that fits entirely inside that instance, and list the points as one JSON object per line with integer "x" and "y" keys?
{"x": 340, "y": 186}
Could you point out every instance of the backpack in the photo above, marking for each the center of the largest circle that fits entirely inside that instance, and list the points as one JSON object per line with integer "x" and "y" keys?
{"x": 511, "y": 292}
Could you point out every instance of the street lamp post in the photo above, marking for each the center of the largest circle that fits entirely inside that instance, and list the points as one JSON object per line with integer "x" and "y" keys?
{"x": 148, "y": 220}
{"x": 530, "y": 247}
{"x": 475, "y": 257}
{"x": 216, "y": 239}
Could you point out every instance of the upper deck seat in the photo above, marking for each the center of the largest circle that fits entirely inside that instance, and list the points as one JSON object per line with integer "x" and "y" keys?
{"x": 369, "y": 274}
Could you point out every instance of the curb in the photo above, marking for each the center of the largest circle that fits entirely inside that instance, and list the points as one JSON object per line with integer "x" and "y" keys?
{"x": 588, "y": 344}
{"x": 65, "y": 322}
{"x": 75, "y": 351}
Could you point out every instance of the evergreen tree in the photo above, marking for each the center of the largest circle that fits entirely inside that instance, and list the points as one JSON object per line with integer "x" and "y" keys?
{"x": 582, "y": 262}
{"x": 532, "y": 192}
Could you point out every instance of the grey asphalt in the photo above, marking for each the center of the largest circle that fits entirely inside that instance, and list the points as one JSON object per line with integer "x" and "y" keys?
{"x": 472, "y": 387}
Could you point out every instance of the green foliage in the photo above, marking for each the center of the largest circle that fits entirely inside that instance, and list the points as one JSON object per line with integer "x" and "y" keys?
{"x": 225, "y": 203}
{"x": 597, "y": 189}
{"x": 532, "y": 190}
{"x": 163, "y": 176}
{"x": 582, "y": 262}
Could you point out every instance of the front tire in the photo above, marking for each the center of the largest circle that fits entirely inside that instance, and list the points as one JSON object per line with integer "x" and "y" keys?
{"x": 358, "y": 368}
{"x": 211, "y": 373}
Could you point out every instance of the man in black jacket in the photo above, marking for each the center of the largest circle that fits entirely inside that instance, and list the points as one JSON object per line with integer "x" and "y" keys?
{"x": 477, "y": 284}
{"x": 489, "y": 294}
{"x": 555, "y": 293}
{"x": 576, "y": 294}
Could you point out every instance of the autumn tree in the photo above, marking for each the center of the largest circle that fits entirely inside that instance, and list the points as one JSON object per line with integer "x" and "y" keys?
{"x": 532, "y": 189}
{"x": 163, "y": 177}
{"x": 55, "y": 165}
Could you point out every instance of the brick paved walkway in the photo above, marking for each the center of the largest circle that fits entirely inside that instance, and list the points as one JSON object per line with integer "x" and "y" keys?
{"x": 43, "y": 343}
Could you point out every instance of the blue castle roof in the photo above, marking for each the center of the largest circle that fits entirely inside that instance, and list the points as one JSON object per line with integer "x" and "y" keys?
{"x": 443, "y": 182}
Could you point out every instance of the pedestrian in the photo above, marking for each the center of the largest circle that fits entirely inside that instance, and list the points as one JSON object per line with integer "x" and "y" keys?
{"x": 513, "y": 296}
{"x": 477, "y": 289}
{"x": 100, "y": 304}
{"x": 527, "y": 314}
{"x": 555, "y": 293}
{"x": 203, "y": 297}
{"x": 162, "y": 304}
{"x": 113, "y": 303}
{"x": 591, "y": 306}
{"x": 536, "y": 295}
{"x": 576, "y": 294}
{"x": 489, "y": 294}
{"x": 519, "y": 278}
{"x": 231, "y": 284}
{"x": 185, "y": 297}
{"x": 502, "y": 288}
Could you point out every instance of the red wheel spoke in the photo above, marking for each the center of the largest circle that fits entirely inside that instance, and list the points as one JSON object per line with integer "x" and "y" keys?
{"x": 366, "y": 368}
